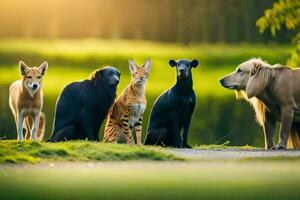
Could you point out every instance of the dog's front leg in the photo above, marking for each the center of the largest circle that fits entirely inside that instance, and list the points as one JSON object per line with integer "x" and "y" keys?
{"x": 36, "y": 119}
{"x": 269, "y": 129}
{"x": 287, "y": 114}
{"x": 87, "y": 123}
{"x": 186, "y": 132}
{"x": 20, "y": 120}
{"x": 176, "y": 130}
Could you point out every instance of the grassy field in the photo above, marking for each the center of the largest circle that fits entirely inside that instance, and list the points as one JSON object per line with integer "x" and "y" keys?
{"x": 147, "y": 180}
{"x": 86, "y": 55}
{"x": 73, "y": 60}
{"x": 232, "y": 180}
{"x": 82, "y": 151}
{"x": 87, "y": 170}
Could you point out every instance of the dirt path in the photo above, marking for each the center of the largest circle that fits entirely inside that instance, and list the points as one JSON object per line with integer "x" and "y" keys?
{"x": 233, "y": 153}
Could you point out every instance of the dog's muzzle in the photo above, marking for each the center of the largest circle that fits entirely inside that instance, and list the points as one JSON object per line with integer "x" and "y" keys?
{"x": 182, "y": 73}
{"x": 225, "y": 85}
{"x": 115, "y": 81}
{"x": 33, "y": 86}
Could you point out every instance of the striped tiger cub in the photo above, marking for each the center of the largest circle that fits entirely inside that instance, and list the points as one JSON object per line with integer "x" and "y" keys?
{"x": 126, "y": 114}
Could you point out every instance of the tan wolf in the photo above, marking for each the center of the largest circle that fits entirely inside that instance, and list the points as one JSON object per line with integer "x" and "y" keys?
{"x": 126, "y": 114}
{"x": 26, "y": 101}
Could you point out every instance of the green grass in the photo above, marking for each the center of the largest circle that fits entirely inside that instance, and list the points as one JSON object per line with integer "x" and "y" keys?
{"x": 84, "y": 49}
{"x": 40, "y": 152}
{"x": 226, "y": 145}
{"x": 75, "y": 59}
{"x": 214, "y": 180}
{"x": 90, "y": 170}
{"x": 221, "y": 147}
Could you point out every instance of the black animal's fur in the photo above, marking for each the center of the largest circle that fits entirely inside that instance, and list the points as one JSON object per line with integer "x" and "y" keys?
{"x": 82, "y": 106}
{"x": 172, "y": 111}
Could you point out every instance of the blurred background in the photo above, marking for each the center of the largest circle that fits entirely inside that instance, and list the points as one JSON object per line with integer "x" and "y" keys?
{"x": 79, "y": 36}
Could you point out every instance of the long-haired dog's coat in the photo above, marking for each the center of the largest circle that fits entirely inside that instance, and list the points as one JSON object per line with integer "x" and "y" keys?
{"x": 274, "y": 92}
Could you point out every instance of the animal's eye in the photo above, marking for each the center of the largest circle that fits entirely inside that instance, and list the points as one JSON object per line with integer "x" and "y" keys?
{"x": 39, "y": 77}
{"x": 239, "y": 70}
{"x": 29, "y": 77}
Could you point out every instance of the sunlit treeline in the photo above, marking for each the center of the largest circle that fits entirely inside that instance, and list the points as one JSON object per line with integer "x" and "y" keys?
{"x": 163, "y": 20}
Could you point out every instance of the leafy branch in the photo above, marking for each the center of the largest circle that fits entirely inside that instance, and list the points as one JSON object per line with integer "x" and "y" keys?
{"x": 283, "y": 13}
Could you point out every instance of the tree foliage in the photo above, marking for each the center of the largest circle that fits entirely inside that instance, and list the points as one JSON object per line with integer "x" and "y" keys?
{"x": 180, "y": 21}
{"x": 283, "y": 14}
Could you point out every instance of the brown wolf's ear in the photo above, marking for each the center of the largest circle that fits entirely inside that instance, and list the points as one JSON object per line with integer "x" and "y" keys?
{"x": 43, "y": 68}
{"x": 132, "y": 66}
{"x": 260, "y": 77}
{"x": 172, "y": 63}
{"x": 23, "y": 67}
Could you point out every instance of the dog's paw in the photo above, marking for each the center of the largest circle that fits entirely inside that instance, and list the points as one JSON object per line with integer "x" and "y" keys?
{"x": 278, "y": 147}
{"x": 269, "y": 147}
{"x": 179, "y": 145}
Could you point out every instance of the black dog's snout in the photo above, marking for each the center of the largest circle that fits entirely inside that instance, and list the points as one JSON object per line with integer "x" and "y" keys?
{"x": 181, "y": 70}
{"x": 117, "y": 81}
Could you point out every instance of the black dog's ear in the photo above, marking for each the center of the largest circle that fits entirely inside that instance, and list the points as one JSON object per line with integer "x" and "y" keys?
{"x": 100, "y": 73}
{"x": 194, "y": 63}
{"x": 172, "y": 63}
{"x": 96, "y": 74}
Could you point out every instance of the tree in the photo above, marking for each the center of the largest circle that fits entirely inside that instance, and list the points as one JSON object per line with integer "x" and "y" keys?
{"x": 286, "y": 14}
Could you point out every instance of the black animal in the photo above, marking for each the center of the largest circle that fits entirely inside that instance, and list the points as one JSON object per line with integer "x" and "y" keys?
{"x": 82, "y": 106}
{"x": 173, "y": 110}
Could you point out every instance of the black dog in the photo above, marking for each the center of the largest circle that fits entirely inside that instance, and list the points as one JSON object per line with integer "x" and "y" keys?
{"x": 82, "y": 106}
{"x": 173, "y": 110}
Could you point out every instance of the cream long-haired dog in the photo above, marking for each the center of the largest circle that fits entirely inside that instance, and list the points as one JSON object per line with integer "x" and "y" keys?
{"x": 274, "y": 92}
{"x": 26, "y": 101}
